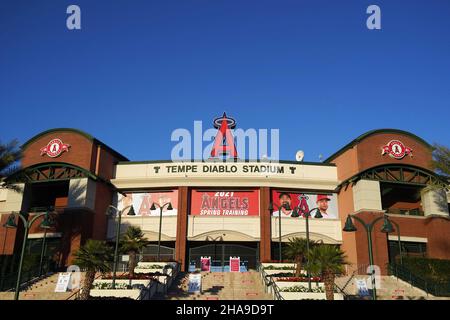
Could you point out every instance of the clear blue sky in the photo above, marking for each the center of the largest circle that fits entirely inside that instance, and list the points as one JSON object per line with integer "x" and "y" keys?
{"x": 139, "y": 69}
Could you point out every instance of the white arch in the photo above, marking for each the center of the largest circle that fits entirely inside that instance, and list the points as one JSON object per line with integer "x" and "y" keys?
{"x": 227, "y": 235}
{"x": 312, "y": 235}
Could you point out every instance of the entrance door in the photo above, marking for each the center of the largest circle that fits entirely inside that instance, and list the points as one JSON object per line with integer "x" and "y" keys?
{"x": 220, "y": 254}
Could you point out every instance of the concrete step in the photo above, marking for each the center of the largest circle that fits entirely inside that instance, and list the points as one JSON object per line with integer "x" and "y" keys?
{"x": 390, "y": 288}
{"x": 43, "y": 289}
{"x": 222, "y": 286}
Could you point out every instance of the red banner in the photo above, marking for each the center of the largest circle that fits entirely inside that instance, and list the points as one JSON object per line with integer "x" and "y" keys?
{"x": 225, "y": 203}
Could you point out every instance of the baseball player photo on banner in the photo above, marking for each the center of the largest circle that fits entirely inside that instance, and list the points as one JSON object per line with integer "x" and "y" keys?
{"x": 297, "y": 204}
{"x": 142, "y": 203}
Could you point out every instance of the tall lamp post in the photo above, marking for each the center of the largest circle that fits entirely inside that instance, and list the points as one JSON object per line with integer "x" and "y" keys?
{"x": 45, "y": 224}
{"x": 398, "y": 240}
{"x": 386, "y": 228}
{"x": 51, "y": 210}
{"x": 161, "y": 207}
{"x": 306, "y": 216}
{"x": 110, "y": 211}
{"x": 286, "y": 206}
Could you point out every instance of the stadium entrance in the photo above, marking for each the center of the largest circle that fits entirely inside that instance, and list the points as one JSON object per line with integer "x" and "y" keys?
{"x": 220, "y": 253}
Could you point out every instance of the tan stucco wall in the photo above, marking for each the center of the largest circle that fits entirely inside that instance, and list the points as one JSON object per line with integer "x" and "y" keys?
{"x": 149, "y": 225}
{"x": 229, "y": 228}
{"x": 367, "y": 195}
{"x": 305, "y": 176}
{"x": 327, "y": 230}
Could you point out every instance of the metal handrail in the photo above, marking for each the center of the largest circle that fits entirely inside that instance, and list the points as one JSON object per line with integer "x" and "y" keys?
{"x": 276, "y": 289}
{"x": 29, "y": 277}
{"x": 78, "y": 291}
{"x": 336, "y": 286}
{"x": 360, "y": 269}
{"x": 429, "y": 286}
{"x": 269, "y": 282}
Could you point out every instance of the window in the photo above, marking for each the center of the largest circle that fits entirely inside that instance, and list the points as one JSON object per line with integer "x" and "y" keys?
{"x": 418, "y": 249}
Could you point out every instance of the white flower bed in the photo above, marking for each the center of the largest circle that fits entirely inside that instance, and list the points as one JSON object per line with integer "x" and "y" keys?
{"x": 287, "y": 284}
{"x": 308, "y": 296}
{"x": 279, "y": 265}
{"x": 153, "y": 267}
{"x": 124, "y": 288}
{"x": 270, "y": 272}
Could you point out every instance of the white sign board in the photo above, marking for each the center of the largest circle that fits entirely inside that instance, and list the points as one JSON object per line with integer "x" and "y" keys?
{"x": 195, "y": 282}
{"x": 361, "y": 284}
{"x": 63, "y": 282}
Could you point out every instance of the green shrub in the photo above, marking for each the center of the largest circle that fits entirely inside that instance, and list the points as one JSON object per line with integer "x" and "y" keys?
{"x": 301, "y": 288}
{"x": 272, "y": 267}
{"x": 437, "y": 270}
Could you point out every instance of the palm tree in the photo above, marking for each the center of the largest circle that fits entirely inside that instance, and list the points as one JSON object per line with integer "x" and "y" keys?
{"x": 132, "y": 242}
{"x": 9, "y": 158}
{"x": 297, "y": 249}
{"x": 95, "y": 256}
{"x": 327, "y": 260}
{"x": 441, "y": 160}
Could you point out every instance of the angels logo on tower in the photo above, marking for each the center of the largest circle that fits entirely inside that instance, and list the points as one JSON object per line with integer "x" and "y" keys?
{"x": 224, "y": 141}
{"x": 396, "y": 149}
{"x": 54, "y": 148}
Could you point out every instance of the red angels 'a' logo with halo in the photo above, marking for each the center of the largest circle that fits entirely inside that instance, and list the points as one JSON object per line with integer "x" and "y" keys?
{"x": 54, "y": 148}
{"x": 396, "y": 149}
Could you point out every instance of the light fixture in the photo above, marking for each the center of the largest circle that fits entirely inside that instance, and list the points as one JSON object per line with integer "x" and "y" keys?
{"x": 11, "y": 223}
{"x": 47, "y": 222}
{"x": 387, "y": 226}
{"x": 349, "y": 226}
{"x": 131, "y": 212}
{"x": 318, "y": 214}
{"x": 169, "y": 207}
{"x": 153, "y": 207}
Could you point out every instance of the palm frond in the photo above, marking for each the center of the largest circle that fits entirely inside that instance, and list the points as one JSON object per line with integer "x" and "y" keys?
{"x": 133, "y": 240}
{"x": 10, "y": 154}
{"x": 326, "y": 258}
{"x": 441, "y": 160}
{"x": 298, "y": 247}
{"x": 95, "y": 255}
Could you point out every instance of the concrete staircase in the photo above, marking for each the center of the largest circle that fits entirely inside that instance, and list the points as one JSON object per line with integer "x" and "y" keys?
{"x": 220, "y": 286}
{"x": 391, "y": 288}
{"x": 43, "y": 289}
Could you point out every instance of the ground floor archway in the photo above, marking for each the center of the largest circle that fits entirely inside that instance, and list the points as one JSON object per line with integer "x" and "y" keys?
{"x": 220, "y": 253}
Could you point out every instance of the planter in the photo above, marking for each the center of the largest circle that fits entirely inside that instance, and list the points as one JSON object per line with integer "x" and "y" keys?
{"x": 308, "y": 296}
{"x": 160, "y": 264}
{"x": 286, "y": 284}
{"x": 160, "y": 270}
{"x": 296, "y": 279}
{"x": 134, "y": 293}
{"x": 286, "y": 273}
{"x": 154, "y": 267}
{"x": 131, "y": 282}
{"x": 279, "y": 265}
{"x": 116, "y": 293}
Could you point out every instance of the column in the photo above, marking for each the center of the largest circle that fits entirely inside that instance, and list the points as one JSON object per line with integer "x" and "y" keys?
{"x": 182, "y": 219}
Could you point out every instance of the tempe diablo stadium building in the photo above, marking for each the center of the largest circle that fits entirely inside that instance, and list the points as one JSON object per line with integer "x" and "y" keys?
{"x": 222, "y": 209}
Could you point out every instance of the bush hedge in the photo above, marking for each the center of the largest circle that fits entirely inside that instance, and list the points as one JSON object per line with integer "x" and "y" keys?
{"x": 437, "y": 270}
